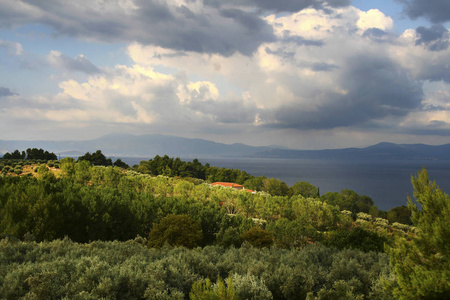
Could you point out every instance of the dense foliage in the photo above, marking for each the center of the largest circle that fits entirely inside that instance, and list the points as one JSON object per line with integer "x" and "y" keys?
{"x": 86, "y": 203}
{"x": 172, "y": 167}
{"x": 130, "y": 270}
{"x": 280, "y": 243}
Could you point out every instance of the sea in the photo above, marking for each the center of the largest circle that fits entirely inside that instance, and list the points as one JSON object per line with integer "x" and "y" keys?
{"x": 387, "y": 182}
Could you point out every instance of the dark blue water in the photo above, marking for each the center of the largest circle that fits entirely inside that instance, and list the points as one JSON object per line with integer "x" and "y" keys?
{"x": 387, "y": 182}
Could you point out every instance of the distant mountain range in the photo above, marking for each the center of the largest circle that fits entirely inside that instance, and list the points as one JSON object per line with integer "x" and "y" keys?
{"x": 381, "y": 151}
{"x": 128, "y": 145}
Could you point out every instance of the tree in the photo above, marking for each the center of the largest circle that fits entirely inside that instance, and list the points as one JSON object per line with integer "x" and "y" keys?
{"x": 204, "y": 289}
{"x": 119, "y": 163}
{"x": 348, "y": 200}
{"x": 255, "y": 183}
{"x": 97, "y": 158}
{"x": 305, "y": 189}
{"x": 276, "y": 187}
{"x": 36, "y": 153}
{"x": 357, "y": 238}
{"x": 422, "y": 264}
{"x": 258, "y": 237}
{"x": 68, "y": 166}
{"x": 400, "y": 214}
{"x": 15, "y": 155}
{"x": 176, "y": 230}
{"x": 290, "y": 234}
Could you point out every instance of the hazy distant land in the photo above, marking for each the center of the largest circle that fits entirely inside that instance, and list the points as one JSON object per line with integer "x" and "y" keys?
{"x": 127, "y": 145}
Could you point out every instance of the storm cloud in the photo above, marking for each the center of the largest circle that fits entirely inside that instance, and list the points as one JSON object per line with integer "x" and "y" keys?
{"x": 281, "y": 5}
{"x": 205, "y": 29}
{"x": 437, "y": 11}
{"x": 435, "y": 38}
{"x": 374, "y": 88}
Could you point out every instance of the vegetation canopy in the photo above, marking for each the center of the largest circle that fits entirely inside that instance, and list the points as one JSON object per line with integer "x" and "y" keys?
{"x": 74, "y": 229}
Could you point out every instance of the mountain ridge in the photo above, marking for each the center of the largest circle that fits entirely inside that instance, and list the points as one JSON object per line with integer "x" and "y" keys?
{"x": 150, "y": 145}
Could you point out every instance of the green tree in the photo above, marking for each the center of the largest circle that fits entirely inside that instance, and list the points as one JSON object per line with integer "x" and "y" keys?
{"x": 176, "y": 230}
{"x": 205, "y": 290}
{"x": 348, "y": 200}
{"x": 82, "y": 171}
{"x": 276, "y": 187}
{"x": 255, "y": 183}
{"x": 422, "y": 265}
{"x": 400, "y": 214}
{"x": 97, "y": 158}
{"x": 68, "y": 166}
{"x": 290, "y": 234}
{"x": 357, "y": 238}
{"x": 258, "y": 237}
{"x": 305, "y": 189}
{"x": 121, "y": 164}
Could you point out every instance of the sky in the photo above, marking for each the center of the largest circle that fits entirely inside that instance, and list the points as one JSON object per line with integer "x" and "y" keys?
{"x": 305, "y": 74}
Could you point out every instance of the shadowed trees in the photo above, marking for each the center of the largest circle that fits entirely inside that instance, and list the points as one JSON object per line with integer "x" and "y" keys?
{"x": 176, "y": 230}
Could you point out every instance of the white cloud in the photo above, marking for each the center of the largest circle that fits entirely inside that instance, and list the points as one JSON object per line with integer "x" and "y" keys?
{"x": 374, "y": 18}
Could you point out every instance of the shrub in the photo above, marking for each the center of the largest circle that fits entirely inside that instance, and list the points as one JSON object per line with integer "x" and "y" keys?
{"x": 357, "y": 238}
{"x": 18, "y": 170}
{"x": 176, "y": 230}
{"x": 258, "y": 237}
{"x": 250, "y": 287}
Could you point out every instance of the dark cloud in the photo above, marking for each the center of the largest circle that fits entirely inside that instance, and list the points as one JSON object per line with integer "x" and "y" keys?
{"x": 80, "y": 63}
{"x": 434, "y": 128}
{"x": 6, "y": 92}
{"x": 323, "y": 67}
{"x": 280, "y": 5}
{"x": 436, "y": 71}
{"x": 209, "y": 30}
{"x": 437, "y": 11}
{"x": 376, "y": 88}
{"x": 223, "y": 31}
{"x": 374, "y": 32}
{"x": 282, "y": 53}
{"x": 435, "y": 38}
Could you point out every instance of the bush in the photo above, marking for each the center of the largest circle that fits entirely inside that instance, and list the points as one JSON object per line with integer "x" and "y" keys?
{"x": 357, "y": 238}
{"x": 258, "y": 237}
{"x": 176, "y": 230}
{"x": 204, "y": 289}
{"x": 18, "y": 170}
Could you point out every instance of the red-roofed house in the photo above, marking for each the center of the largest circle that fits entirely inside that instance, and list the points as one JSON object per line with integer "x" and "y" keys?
{"x": 233, "y": 185}
{"x": 229, "y": 184}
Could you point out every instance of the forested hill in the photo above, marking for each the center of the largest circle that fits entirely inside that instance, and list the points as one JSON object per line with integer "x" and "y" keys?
{"x": 88, "y": 230}
{"x": 127, "y": 145}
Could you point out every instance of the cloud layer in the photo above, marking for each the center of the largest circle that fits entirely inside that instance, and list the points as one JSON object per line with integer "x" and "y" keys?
{"x": 257, "y": 71}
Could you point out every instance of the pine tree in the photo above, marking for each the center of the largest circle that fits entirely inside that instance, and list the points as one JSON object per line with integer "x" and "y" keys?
{"x": 421, "y": 264}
